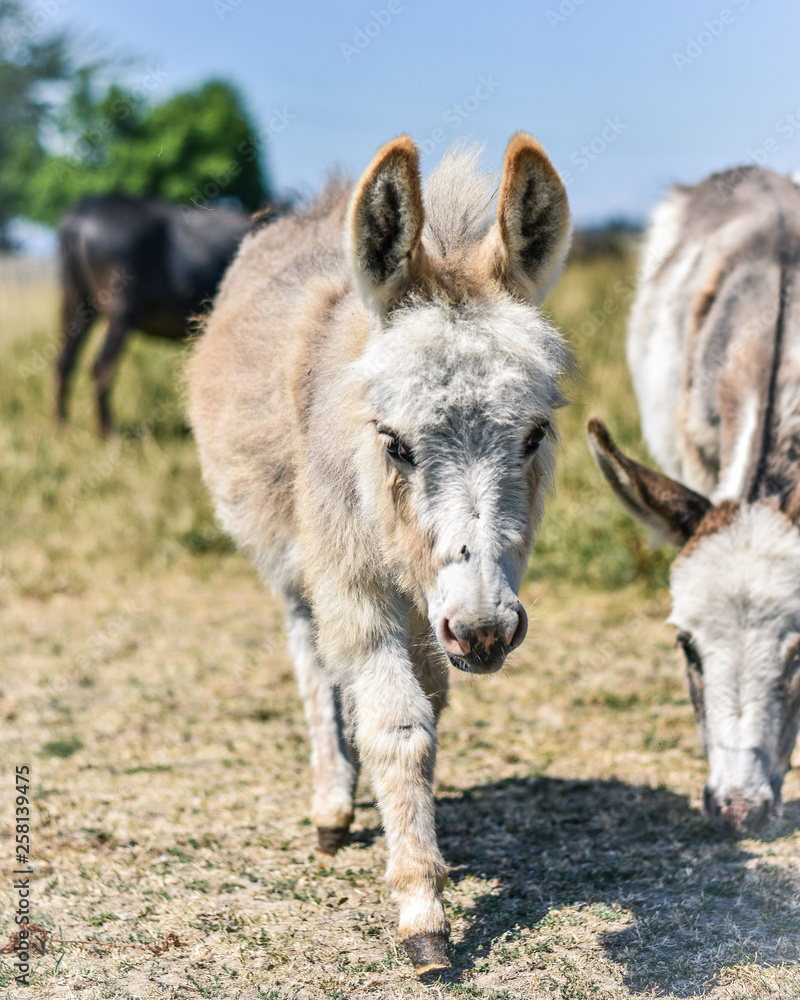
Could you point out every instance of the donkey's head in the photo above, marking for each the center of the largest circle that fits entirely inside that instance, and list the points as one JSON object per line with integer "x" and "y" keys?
{"x": 736, "y": 608}
{"x": 458, "y": 381}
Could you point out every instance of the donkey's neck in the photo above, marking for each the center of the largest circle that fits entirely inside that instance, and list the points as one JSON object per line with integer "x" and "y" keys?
{"x": 759, "y": 390}
{"x": 778, "y": 473}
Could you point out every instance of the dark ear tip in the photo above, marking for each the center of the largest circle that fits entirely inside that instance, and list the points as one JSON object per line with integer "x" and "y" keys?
{"x": 525, "y": 153}
{"x": 402, "y": 148}
{"x": 598, "y": 431}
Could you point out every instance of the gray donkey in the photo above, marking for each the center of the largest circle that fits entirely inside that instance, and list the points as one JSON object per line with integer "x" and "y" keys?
{"x": 372, "y": 401}
{"x": 714, "y": 348}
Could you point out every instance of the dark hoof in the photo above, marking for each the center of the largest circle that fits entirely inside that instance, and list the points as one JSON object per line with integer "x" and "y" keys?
{"x": 428, "y": 952}
{"x": 331, "y": 838}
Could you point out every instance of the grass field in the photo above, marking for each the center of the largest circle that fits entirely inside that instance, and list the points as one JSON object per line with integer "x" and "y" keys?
{"x": 145, "y": 682}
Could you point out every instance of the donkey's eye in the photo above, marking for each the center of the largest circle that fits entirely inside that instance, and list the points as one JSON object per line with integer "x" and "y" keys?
{"x": 535, "y": 437}
{"x": 396, "y": 447}
{"x": 686, "y": 642}
{"x": 791, "y": 666}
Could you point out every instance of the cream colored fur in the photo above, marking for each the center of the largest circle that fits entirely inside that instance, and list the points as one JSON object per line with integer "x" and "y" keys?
{"x": 393, "y": 315}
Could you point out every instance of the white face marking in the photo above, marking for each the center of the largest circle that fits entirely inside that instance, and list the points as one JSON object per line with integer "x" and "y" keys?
{"x": 463, "y": 387}
{"x": 737, "y": 595}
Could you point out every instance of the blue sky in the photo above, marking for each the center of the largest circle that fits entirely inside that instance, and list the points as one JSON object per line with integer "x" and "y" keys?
{"x": 627, "y": 96}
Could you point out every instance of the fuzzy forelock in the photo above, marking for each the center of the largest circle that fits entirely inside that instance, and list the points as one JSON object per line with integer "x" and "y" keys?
{"x": 753, "y": 562}
{"x": 496, "y": 356}
{"x": 459, "y": 198}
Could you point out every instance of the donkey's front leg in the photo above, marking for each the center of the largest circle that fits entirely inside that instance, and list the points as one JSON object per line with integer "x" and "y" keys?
{"x": 396, "y": 735}
{"x": 334, "y": 771}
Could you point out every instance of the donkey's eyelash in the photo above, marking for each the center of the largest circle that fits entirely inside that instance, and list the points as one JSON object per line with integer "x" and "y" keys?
{"x": 395, "y": 446}
{"x": 791, "y": 663}
{"x": 686, "y": 642}
{"x": 535, "y": 436}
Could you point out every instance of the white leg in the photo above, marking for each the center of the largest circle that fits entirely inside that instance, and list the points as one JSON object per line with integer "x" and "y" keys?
{"x": 396, "y": 734}
{"x": 334, "y": 773}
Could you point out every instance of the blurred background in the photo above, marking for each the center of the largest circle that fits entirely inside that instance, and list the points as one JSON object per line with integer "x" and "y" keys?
{"x": 237, "y": 98}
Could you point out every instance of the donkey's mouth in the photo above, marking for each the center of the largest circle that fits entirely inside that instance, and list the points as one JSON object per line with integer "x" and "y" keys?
{"x": 486, "y": 661}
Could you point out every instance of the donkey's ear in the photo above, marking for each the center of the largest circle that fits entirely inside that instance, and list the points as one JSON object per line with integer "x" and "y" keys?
{"x": 384, "y": 224}
{"x": 663, "y": 504}
{"x": 533, "y": 221}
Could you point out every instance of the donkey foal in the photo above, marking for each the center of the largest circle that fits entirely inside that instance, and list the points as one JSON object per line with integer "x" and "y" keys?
{"x": 373, "y": 416}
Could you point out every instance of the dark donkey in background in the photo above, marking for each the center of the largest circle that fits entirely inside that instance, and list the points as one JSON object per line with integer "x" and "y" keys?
{"x": 145, "y": 265}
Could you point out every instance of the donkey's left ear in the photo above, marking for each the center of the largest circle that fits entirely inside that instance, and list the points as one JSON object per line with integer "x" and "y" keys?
{"x": 669, "y": 508}
{"x": 533, "y": 221}
{"x": 384, "y": 224}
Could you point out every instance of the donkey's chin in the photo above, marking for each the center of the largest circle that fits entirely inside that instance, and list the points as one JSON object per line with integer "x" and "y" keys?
{"x": 487, "y": 661}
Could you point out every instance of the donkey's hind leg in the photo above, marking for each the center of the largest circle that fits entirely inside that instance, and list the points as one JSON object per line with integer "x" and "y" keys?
{"x": 78, "y": 316}
{"x": 119, "y": 326}
{"x": 334, "y": 768}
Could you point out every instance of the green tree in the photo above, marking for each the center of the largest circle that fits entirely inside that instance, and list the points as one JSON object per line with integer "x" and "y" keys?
{"x": 25, "y": 65}
{"x": 198, "y": 146}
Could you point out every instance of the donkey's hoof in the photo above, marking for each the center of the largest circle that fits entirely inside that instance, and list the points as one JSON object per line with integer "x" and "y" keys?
{"x": 428, "y": 952}
{"x": 331, "y": 838}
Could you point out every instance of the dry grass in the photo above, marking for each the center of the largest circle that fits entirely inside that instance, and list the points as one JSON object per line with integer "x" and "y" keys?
{"x": 145, "y": 681}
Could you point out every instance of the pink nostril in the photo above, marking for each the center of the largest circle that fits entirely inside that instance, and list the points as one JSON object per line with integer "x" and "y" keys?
{"x": 451, "y": 642}
{"x": 520, "y": 631}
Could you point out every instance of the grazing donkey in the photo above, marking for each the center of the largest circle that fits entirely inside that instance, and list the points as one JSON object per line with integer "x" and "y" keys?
{"x": 143, "y": 264}
{"x": 373, "y": 414}
{"x": 714, "y": 348}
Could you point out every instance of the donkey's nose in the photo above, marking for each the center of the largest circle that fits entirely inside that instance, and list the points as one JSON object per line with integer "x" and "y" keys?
{"x": 732, "y": 812}
{"x": 462, "y": 638}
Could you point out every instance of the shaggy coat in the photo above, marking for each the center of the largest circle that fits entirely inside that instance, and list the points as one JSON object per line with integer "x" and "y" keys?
{"x": 372, "y": 402}
{"x": 714, "y": 350}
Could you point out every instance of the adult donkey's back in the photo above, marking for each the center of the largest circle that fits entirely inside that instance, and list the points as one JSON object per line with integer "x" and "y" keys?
{"x": 143, "y": 264}
{"x": 714, "y": 349}
{"x": 374, "y": 423}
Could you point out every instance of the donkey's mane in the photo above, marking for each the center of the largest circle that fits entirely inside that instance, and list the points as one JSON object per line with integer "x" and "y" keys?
{"x": 458, "y": 198}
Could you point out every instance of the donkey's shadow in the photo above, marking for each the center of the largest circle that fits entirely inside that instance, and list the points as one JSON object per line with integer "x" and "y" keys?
{"x": 549, "y": 843}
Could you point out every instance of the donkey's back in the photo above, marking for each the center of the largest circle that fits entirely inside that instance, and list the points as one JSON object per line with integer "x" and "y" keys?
{"x": 701, "y": 340}
{"x": 143, "y": 264}
{"x": 273, "y": 311}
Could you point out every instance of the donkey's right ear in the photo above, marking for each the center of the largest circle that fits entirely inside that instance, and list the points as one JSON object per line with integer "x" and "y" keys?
{"x": 663, "y": 504}
{"x": 384, "y": 224}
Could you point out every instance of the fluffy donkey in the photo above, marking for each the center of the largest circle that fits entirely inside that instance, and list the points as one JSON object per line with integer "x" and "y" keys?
{"x": 372, "y": 401}
{"x": 714, "y": 348}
